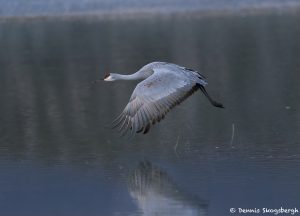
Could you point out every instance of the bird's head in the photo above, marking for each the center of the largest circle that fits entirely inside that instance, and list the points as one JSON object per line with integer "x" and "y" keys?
{"x": 109, "y": 77}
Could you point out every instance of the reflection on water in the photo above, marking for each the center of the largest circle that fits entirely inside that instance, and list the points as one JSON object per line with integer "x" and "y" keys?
{"x": 53, "y": 135}
{"x": 156, "y": 194}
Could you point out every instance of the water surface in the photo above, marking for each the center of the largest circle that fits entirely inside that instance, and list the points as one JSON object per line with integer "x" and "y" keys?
{"x": 57, "y": 157}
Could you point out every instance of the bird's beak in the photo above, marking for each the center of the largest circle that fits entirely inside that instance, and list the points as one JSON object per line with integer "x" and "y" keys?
{"x": 95, "y": 81}
{"x": 99, "y": 80}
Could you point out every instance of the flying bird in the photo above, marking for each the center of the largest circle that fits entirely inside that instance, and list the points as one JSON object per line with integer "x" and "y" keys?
{"x": 164, "y": 86}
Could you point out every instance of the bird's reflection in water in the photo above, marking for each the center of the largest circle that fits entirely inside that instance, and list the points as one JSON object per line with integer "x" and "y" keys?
{"x": 156, "y": 194}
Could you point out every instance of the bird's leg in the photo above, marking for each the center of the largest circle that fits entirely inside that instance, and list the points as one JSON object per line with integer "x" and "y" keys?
{"x": 213, "y": 102}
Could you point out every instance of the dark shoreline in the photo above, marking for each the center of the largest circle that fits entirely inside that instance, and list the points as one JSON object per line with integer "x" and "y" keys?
{"x": 150, "y": 13}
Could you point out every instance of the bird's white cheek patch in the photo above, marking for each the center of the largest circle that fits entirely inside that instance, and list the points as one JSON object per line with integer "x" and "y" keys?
{"x": 108, "y": 78}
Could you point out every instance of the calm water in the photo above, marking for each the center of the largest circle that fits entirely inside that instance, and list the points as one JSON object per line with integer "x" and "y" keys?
{"x": 57, "y": 156}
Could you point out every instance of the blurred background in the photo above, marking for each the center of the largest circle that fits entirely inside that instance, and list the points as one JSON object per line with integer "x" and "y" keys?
{"x": 59, "y": 157}
{"x": 87, "y": 7}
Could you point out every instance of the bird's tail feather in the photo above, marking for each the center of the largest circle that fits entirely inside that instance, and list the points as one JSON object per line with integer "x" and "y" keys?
{"x": 213, "y": 102}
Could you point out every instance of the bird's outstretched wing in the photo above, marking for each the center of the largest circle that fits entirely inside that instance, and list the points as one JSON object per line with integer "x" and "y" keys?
{"x": 153, "y": 98}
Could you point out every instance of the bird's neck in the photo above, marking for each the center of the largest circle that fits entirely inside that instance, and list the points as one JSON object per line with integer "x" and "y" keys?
{"x": 139, "y": 75}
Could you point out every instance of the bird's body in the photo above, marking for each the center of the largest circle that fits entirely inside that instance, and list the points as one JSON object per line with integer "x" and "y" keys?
{"x": 165, "y": 85}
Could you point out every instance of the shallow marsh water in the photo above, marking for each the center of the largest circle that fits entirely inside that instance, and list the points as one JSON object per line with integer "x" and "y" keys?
{"x": 58, "y": 157}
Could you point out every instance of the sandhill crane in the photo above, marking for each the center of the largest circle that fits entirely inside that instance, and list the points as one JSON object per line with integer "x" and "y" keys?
{"x": 164, "y": 86}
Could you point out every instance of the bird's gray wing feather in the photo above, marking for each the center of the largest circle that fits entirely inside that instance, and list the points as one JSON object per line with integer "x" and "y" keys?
{"x": 152, "y": 99}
